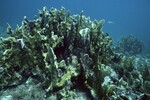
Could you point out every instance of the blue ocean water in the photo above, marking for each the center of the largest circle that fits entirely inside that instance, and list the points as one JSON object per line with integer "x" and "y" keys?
{"x": 122, "y": 17}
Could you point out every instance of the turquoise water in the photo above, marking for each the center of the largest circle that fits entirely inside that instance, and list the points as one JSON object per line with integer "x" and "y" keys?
{"x": 122, "y": 17}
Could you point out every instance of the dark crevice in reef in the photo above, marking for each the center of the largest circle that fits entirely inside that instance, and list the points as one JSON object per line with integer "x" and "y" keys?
{"x": 79, "y": 85}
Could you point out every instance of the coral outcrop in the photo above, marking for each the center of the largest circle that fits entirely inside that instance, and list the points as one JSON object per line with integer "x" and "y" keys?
{"x": 62, "y": 52}
{"x": 65, "y": 57}
{"x": 130, "y": 45}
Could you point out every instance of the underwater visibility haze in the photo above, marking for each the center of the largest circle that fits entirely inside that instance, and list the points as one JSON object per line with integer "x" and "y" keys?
{"x": 128, "y": 17}
{"x": 75, "y": 50}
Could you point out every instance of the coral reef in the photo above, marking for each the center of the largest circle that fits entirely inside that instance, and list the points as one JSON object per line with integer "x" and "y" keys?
{"x": 63, "y": 57}
{"x": 130, "y": 45}
{"x": 58, "y": 50}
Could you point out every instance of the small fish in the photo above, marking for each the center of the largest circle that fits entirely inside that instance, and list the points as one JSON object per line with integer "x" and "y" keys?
{"x": 110, "y": 22}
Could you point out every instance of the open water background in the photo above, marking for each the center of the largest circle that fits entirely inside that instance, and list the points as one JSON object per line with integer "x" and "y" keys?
{"x": 122, "y": 17}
